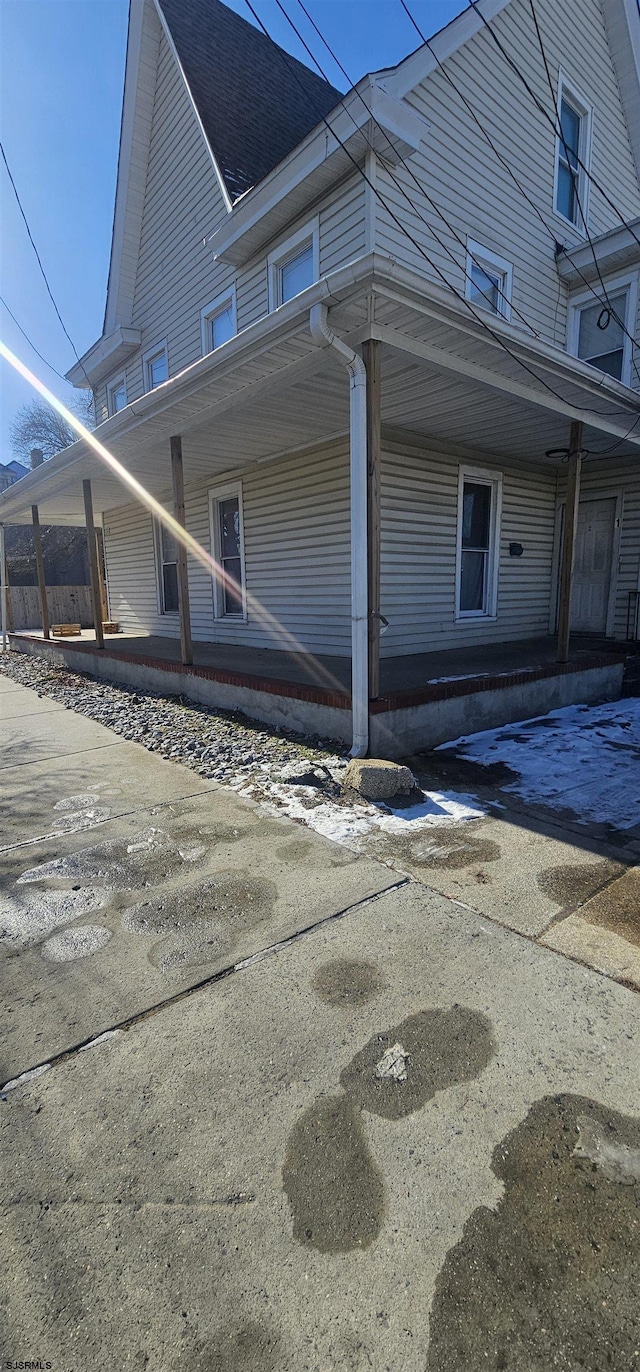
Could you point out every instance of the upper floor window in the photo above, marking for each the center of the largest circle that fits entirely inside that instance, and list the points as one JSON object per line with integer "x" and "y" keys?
{"x": 488, "y": 280}
{"x": 218, "y": 321}
{"x": 479, "y": 511}
{"x": 155, "y": 365}
{"x": 599, "y": 332}
{"x": 293, "y": 266}
{"x": 117, "y": 395}
{"x": 573, "y": 145}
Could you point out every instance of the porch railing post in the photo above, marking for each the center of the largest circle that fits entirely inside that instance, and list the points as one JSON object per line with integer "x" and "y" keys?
{"x": 93, "y": 563}
{"x": 3, "y": 589}
{"x": 371, "y": 357}
{"x": 569, "y": 539}
{"x": 177, "y": 475}
{"x": 42, "y": 585}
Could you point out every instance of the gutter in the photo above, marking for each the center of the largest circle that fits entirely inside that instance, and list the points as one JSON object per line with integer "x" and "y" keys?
{"x": 322, "y": 334}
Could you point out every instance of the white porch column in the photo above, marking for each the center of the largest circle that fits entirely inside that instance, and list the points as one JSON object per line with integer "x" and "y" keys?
{"x": 321, "y": 332}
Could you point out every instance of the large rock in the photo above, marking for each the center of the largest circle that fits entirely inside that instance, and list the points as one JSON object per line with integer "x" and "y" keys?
{"x": 378, "y": 780}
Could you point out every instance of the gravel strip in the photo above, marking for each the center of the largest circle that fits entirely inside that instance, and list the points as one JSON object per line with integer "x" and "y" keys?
{"x": 218, "y": 744}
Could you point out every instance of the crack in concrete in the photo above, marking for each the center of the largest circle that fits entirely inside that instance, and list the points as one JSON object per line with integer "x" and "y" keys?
{"x": 56, "y": 1058}
{"x": 118, "y": 814}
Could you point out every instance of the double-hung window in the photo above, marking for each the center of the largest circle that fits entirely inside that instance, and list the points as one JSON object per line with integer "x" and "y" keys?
{"x": 155, "y": 365}
{"x": 218, "y": 321}
{"x": 573, "y": 146}
{"x": 117, "y": 395}
{"x": 228, "y": 549}
{"x": 599, "y": 331}
{"x": 293, "y": 266}
{"x": 479, "y": 509}
{"x": 167, "y": 568}
{"x": 488, "y": 280}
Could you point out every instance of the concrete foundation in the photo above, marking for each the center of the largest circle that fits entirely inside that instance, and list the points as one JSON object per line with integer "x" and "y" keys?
{"x": 394, "y": 733}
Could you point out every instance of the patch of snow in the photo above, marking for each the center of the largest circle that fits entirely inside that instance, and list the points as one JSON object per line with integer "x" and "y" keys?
{"x": 581, "y": 758}
{"x": 347, "y": 824}
{"x": 102, "y": 1038}
{"x": 393, "y": 1064}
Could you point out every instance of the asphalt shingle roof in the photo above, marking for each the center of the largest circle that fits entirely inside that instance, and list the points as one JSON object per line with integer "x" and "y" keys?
{"x": 255, "y": 103}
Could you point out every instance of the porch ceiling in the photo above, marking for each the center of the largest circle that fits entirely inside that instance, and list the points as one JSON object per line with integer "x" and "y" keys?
{"x": 272, "y": 391}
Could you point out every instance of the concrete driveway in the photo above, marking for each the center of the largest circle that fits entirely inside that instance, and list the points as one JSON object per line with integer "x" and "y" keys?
{"x": 407, "y": 1139}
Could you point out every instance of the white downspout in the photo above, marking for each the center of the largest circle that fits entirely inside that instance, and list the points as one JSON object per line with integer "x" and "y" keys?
{"x": 321, "y": 333}
{"x": 3, "y": 596}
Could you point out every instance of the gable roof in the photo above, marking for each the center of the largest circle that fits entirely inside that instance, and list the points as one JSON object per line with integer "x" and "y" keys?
{"x": 256, "y": 103}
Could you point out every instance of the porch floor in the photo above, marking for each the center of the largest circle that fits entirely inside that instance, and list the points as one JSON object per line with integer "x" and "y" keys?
{"x": 404, "y": 681}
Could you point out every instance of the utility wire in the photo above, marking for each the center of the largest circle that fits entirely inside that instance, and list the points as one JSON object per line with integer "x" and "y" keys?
{"x": 419, "y": 185}
{"x": 551, "y": 119}
{"x": 39, "y": 261}
{"x": 29, "y": 341}
{"x": 504, "y": 161}
{"x": 467, "y": 304}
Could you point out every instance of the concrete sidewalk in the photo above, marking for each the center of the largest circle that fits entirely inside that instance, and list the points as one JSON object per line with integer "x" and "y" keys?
{"x": 230, "y": 1182}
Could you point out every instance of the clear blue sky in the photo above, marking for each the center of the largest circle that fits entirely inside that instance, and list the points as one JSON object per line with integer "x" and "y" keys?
{"x": 61, "y": 81}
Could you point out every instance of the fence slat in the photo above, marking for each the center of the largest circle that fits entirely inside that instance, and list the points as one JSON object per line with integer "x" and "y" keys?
{"x": 67, "y": 605}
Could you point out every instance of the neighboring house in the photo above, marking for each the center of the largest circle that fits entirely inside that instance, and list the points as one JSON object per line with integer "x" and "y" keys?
{"x": 433, "y": 222}
{"x": 10, "y": 473}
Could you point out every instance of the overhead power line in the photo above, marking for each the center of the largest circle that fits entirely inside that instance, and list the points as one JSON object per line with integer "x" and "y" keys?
{"x": 434, "y": 266}
{"x": 30, "y": 342}
{"x": 39, "y": 261}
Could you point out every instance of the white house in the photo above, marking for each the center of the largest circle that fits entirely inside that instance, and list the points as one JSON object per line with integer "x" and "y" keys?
{"x": 386, "y": 343}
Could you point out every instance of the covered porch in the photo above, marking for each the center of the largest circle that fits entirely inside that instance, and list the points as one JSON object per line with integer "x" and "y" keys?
{"x": 350, "y": 518}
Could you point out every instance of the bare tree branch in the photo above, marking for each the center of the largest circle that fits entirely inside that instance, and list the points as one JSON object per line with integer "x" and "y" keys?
{"x": 38, "y": 425}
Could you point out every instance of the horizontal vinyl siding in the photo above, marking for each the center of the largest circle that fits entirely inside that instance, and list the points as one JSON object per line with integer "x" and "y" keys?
{"x": 296, "y": 534}
{"x": 470, "y": 186}
{"x": 612, "y": 479}
{"x": 418, "y": 554}
{"x": 342, "y": 226}
{"x": 176, "y": 275}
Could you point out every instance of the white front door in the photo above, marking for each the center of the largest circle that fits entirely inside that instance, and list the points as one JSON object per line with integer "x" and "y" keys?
{"x": 592, "y": 566}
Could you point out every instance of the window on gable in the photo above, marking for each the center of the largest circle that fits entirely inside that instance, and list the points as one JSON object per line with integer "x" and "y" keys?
{"x": 572, "y": 157}
{"x": 167, "y": 565}
{"x": 488, "y": 280}
{"x": 156, "y": 368}
{"x": 228, "y": 547}
{"x": 599, "y": 336}
{"x": 479, "y": 503}
{"x": 218, "y": 321}
{"x": 117, "y": 396}
{"x": 293, "y": 266}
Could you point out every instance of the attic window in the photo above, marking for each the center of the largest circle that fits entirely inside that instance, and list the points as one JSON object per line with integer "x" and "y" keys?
{"x": 293, "y": 266}
{"x": 155, "y": 366}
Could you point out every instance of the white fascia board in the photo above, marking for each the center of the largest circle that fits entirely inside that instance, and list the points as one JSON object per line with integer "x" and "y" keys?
{"x": 408, "y": 74}
{"x": 168, "y": 35}
{"x": 613, "y": 250}
{"x": 106, "y": 356}
{"x": 135, "y": 134}
{"x": 355, "y": 123}
{"x": 622, "y": 22}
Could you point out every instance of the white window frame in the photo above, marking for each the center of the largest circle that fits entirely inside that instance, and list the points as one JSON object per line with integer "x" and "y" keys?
{"x": 308, "y": 233}
{"x": 493, "y": 479}
{"x": 148, "y": 358}
{"x": 208, "y": 314}
{"x": 567, "y": 91}
{"x": 115, "y": 386}
{"x": 157, "y": 547}
{"x": 216, "y": 495}
{"x": 477, "y": 253}
{"x": 577, "y": 302}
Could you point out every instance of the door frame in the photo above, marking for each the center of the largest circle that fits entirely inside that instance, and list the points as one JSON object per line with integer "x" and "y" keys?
{"x": 609, "y": 494}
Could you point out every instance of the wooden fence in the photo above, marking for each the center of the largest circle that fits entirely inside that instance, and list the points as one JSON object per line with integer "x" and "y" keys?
{"x": 67, "y": 605}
